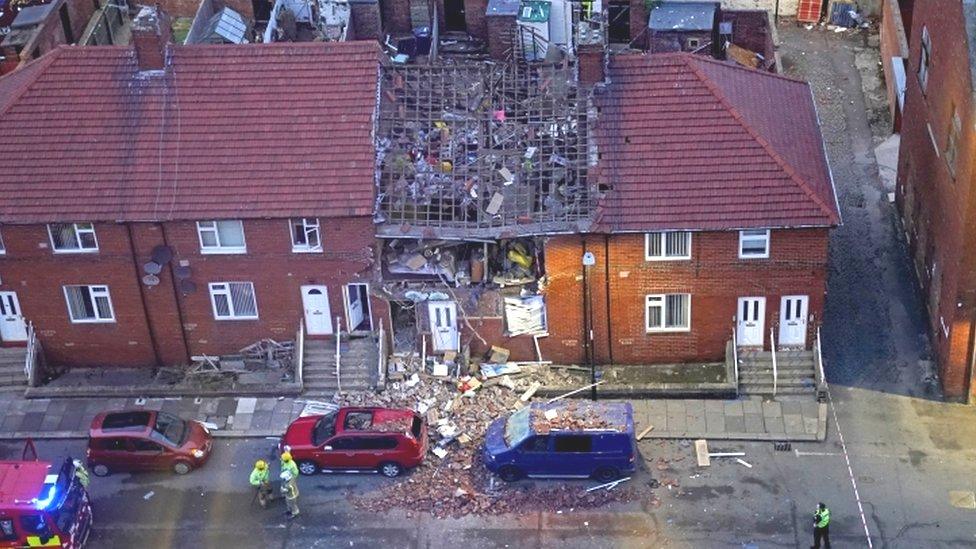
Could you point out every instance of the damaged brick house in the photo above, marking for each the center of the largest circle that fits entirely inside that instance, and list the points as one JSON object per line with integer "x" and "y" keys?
{"x": 698, "y": 192}
{"x": 162, "y": 201}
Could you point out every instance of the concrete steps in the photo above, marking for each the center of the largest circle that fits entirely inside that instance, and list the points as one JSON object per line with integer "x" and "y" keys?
{"x": 358, "y": 359}
{"x": 12, "y": 376}
{"x": 794, "y": 373}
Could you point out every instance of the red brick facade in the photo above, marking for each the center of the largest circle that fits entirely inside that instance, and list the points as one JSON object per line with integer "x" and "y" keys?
{"x": 715, "y": 277}
{"x": 161, "y": 324}
{"x": 934, "y": 200}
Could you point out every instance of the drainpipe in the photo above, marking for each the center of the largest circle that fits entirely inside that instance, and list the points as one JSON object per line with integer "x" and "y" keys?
{"x": 176, "y": 296}
{"x": 588, "y": 322}
{"x": 606, "y": 278}
{"x": 142, "y": 297}
{"x": 971, "y": 362}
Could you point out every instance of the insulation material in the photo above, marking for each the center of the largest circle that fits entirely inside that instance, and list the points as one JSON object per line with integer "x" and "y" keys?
{"x": 525, "y": 315}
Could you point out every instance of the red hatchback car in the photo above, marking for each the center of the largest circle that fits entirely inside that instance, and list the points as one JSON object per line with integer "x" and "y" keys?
{"x": 146, "y": 440}
{"x": 378, "y": 439}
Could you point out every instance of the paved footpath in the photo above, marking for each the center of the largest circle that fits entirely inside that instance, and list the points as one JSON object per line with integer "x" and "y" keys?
{"x": 239, "y": 417}
{"x": 743, "y": 419}
{"x": 70, "y": 417}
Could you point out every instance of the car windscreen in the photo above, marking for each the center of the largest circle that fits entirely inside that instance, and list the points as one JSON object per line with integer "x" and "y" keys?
{"x": 517, "y": 427}
{"x": 170, "y": 428}
{"x": 324, "y": 429}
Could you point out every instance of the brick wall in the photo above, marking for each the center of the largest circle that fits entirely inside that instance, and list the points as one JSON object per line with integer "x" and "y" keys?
{"x": 664, "y": 42}
{"x": 396, "y": 16}
{"x": 714, "y": 277}
{"x": 182, "y": 8}
{"x": 894, "y": 44}
{"x": 500, "y": 33}
{"x": 638, "y": 24}
{"x": 169, "y": 315}
{"x": 366, "y": 21}
{"x": 934, "y": 203}
{"x": 751, "y": 29}
{"x": 474, "y": 18}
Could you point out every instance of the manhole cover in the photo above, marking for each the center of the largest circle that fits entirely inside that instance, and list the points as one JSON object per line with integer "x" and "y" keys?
{"x": 962, "y": 499}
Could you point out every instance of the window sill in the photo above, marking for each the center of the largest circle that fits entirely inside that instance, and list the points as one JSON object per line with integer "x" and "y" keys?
{"x": 57, "y": 251}
{"x": 235, "y": 318}
{"x": 223, "y": 251}
{"x": 98, "y": 321}
{"x": 306, "y": 250}
{"x": 757, "y": 256}
{"x": 668, "y": 330}
{"x": 677, "y": 258}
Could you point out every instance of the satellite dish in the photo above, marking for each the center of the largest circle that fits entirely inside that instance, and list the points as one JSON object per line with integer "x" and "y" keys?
{"x": 182, "y": 272}
{"x": 152, "y": 268}
{"x": 150, "y": 280}
{"x": 188, "y": 286}
{"x": 162, "y": 254}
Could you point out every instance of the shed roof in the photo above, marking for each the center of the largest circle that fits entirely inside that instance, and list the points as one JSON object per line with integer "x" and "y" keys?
{"x": 683, "y": 16}
{"x": 224, "y": 132}
{"x": 691, "y": 143}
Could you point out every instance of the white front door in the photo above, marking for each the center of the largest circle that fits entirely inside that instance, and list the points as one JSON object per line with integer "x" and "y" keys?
{"x": 793, "y": 320}
{"x": 12, "y": 325}
{"x": 751, "y": 321}
{"x": 443, "y": 325}
{"x": 357, "y": 307}
{"x": 318, "y": 316}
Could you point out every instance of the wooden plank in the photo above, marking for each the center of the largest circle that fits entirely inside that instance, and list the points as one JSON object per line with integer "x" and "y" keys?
{"x": 701, "y": 448}
{"x": 644, "y": 432}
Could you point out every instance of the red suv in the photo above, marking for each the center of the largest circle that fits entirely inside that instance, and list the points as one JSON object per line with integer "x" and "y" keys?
{"x": 379, "y": 439}
{"x": 146, "y": 440}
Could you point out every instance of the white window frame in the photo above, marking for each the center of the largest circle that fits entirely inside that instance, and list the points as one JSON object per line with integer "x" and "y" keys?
{"x": 308, "y": 224}
{"x": 663, "y": 299}
{"x": 743, "y": 237}
{"x": 215, "y": 289}
{"x": 211, "y": 226}
{"x": 93, "y": 289}
{"x": 924, "y": 59}
{"x": 3, "y": 248}
{"x": 952, "y": 142}
{"x": 79, "y": 228}
{"x": 663, "y": 247}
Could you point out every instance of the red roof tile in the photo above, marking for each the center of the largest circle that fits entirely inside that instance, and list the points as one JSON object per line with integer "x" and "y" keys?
{"x": 260, "y": 130}
{"x": 692, "y": 143}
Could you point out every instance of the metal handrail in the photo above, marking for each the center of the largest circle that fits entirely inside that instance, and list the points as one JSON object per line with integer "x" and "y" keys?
{"x": 822, "y": 381}
{"x": 31, "y": 353}
{"x": 772, "y": 348}
{"x": 735, "y": 359}
{"x": 381, "y": 361}
{"x": 300, "y": 353}
{"x": 338, "y": 338}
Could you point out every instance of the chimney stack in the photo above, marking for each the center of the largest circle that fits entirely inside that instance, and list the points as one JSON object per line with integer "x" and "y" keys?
{"x": 151, "y": 32}
{"x": 590, "y": 61}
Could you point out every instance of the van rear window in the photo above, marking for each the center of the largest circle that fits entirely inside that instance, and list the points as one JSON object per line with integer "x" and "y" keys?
{"x": 7, "y": 530}
{"x": 574, "y": 443}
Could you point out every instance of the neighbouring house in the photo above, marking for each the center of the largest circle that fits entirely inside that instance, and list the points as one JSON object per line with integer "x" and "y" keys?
{"x": 894, "y": 56}
{"x": 700, "y": 196}
{"x": 164, "y": 201}
{"x": 935, "y": 187}
{"x": 38, "y": 29}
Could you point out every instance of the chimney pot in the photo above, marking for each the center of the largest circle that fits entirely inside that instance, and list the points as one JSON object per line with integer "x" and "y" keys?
{"x": 151, "y": 32}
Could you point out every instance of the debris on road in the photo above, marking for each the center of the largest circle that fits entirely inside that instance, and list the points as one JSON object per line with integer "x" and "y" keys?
{"x": 744, "y": 462}
{"x": 643, "y": 433}
{"x": 701, "y": 448}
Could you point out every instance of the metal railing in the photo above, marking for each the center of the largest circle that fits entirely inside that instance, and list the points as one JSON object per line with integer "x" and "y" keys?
{"x": 818, "y": 370}
{"x": 772, "y": 349}
{"x": 300, "y": 354}
{"x": 735, "y": 359}
{"x": 338, "y": 338}
{"x": 381, "y": 361}
{"x": 33, "y": 357}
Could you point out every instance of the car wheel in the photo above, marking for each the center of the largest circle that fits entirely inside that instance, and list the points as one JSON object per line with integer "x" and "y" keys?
{"x": 307, "y": 467}
{"x": 182, "y": 468}
{"x": 100, "y": 470}
{"x": 510, "y": 473}
{"x": 390, "y": 469}
{"x": 606, "y": 474}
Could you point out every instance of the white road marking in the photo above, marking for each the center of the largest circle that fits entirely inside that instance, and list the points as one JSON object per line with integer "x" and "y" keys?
{"x": 799, "y": 453}
{"x": 850, "y": 470}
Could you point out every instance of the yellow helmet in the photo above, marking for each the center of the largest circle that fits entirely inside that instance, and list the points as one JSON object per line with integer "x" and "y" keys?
{"x": 260, "y": 465}
{"x": 286, "y": 456}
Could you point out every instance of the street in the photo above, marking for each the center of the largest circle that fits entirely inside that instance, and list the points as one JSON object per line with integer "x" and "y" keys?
{"x": 895, "y": 459}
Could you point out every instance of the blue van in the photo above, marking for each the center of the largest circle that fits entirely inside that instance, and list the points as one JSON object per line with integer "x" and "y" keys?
{"x": 573, "y": 439}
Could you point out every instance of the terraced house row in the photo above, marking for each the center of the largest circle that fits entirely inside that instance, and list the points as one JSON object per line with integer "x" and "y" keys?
{"x": 159, "y": 202}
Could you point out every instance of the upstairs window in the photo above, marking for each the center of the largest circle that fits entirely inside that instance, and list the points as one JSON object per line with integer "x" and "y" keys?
{"x": 221, "y": 237}
{"x": 668, "y": 313}
{"x": 233, "y": 300}
{"x": 305, "y": 235}
{"x": 73, "y": 237}
{"x": 923, "y": 59}
{"x": 667, "y": 246}
{"x": 754, "y": 244}
{"x": 89, "y": 304}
